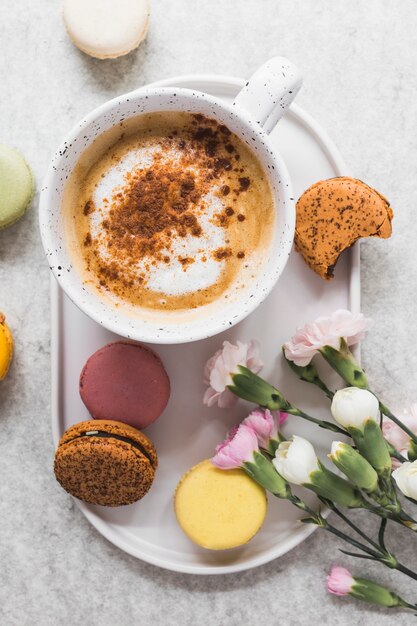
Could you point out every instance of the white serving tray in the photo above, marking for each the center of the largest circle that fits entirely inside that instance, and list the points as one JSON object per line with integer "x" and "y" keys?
{"x": 187, "y": 432}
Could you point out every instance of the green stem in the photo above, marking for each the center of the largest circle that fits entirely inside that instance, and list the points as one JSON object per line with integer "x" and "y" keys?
{"x": 300, "y": 504}
{"x": 323, "y": 523}
{"x": 394, "y": 507}
{"x": 358, "y": 556}
{"x": 405, "y": 570}
{"x": 335, "y": 531}
{"x": 318, "y": 382}
{"x": 381, "y": 533}
{"x": 397, "y": 455}
{"x": 383, "y": 556}
{"x": 351, "y": 524}
{"x": 322, "y": 385}
{"x": 401, "y": 517}
{"x": 322, "y": 423}
{"x": 309, "y": 374}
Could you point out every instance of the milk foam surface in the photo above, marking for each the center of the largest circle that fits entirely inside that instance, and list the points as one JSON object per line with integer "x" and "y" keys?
{"x": 173, "y": 279}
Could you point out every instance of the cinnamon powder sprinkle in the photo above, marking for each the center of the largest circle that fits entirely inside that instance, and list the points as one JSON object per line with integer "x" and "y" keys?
{"x": 186, "y": 261}
{"x": 244, "y": 183}
{"x": 165, "y": 200}
{"x": 222, "y": 253}
{"x": 88, "y": 207}
{"x": 155, "y": 202}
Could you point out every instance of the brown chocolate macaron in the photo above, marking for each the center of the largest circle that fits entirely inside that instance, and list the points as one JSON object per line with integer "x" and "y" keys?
{"x": 105, "y": 462}
{"x": 332, "y": 214}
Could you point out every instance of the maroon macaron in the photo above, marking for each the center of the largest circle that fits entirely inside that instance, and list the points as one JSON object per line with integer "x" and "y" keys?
{"x": 125, "y": 382}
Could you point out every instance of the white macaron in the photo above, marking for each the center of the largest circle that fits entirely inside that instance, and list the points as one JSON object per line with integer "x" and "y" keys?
{"x": 106, "y": 29}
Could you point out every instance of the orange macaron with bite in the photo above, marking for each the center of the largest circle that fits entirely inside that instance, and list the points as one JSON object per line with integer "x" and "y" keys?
{"x": 332, "y": 215}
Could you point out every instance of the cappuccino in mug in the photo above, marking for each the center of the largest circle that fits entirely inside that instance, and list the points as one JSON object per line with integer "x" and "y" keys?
{"x": 168, "y": 211}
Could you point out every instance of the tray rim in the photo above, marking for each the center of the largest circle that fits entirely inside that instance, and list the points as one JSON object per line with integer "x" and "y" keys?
{"x": 56, "y": 293}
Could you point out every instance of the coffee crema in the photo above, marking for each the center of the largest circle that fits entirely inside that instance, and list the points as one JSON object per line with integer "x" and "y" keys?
{"x": 168, "y": 211}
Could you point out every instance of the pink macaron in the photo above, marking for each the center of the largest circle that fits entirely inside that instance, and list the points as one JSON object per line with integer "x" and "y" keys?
{"x": 126, "y": 382}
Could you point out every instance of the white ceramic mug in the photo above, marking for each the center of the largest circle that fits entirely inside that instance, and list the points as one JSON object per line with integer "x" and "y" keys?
{"x": 253, "y": 114}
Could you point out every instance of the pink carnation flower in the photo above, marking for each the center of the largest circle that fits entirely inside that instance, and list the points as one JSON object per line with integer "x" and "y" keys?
{"x": 265, "y": 424}
{"x": 395, "y": 435}
{"x": 236, "y": 449}
{"x": 326, "y": 331}
{"x": 218, "y": 370}
{"x": 339, "y": 581}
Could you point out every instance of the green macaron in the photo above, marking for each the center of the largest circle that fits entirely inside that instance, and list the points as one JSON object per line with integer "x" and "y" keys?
{"x": 16, "y": 186}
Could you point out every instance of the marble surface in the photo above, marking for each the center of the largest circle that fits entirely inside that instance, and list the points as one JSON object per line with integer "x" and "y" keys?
{"x": 358, "y": 63}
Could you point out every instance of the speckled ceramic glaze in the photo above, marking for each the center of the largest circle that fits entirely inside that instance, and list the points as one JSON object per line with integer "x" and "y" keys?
{"x": 262, "y": 102}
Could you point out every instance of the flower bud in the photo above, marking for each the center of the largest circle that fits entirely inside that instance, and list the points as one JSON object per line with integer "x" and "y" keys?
{"x": 406, "y": 478}
{"x": 358, "y": 470}
{"x": 295, "y": 460}
{"x": 352, "y": 407}
{"x": 340, "y": 582}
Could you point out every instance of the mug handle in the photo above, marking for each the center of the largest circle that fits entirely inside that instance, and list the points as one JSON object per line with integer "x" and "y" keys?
{"x": 269, "y": 92}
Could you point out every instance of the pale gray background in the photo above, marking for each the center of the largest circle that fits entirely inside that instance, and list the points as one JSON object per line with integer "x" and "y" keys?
{"x": 358, "y": 59}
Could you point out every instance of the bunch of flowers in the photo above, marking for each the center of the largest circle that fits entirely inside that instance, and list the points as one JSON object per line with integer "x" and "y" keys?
{"x": 377, "y": 457}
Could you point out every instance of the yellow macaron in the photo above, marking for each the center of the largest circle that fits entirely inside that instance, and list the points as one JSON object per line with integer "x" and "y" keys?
{"x": 6, "y": 347}
{"x": 219, "y": 509}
